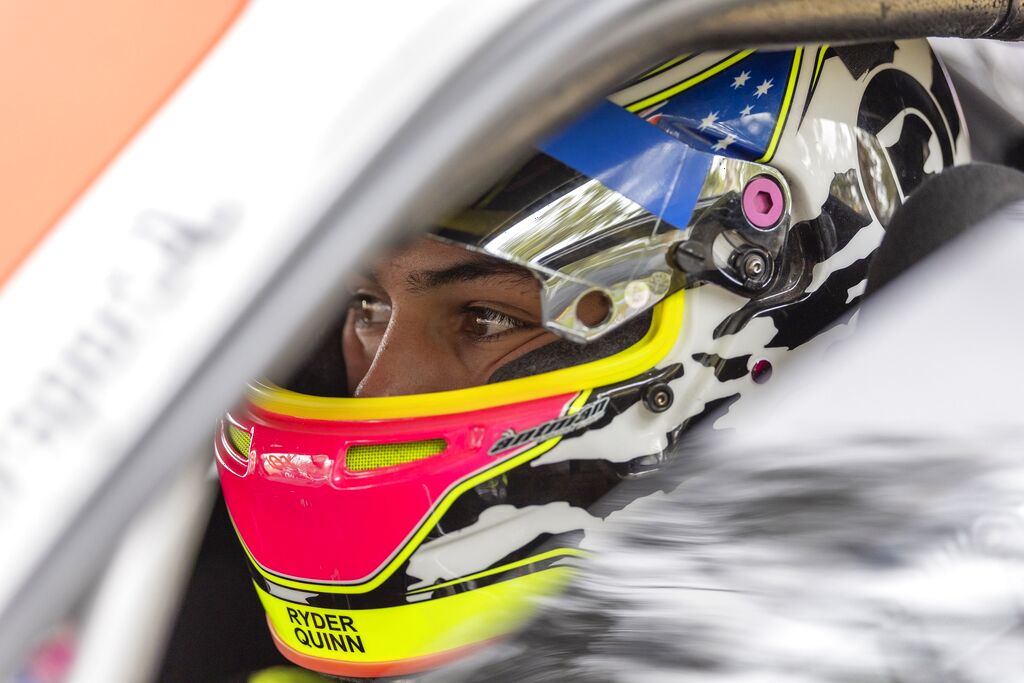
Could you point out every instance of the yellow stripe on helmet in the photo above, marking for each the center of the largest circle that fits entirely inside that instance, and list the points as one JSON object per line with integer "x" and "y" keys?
{"x": 787, "y": 100}
{"x": 414, "y": 630}
{"x": 674, "y": 90}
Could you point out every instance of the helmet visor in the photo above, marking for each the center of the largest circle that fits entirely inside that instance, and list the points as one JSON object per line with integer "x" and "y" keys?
{"x": 597, "y": 216}
{"x": 581, "y": 240}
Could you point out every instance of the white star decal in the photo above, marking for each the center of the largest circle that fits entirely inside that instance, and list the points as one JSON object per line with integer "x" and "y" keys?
{"x": 723, "y": 143}
{"x": 746, "y": 110}
{"x": 765, "y": 86}
{"x": 741, "y": 80}
{"x": 708, "y": 120}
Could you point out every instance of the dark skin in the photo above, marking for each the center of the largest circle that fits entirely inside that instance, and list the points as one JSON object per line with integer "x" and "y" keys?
{"x": 435, "y": 317}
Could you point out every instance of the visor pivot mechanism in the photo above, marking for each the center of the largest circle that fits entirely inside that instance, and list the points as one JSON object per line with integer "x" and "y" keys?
{"x": 763, "y": 203}
{"x": 755, "y": 267}
{"x": 737, "y": 235}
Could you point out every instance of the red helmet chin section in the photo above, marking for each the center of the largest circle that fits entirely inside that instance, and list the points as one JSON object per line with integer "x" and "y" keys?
{"x": 336, "y": 502}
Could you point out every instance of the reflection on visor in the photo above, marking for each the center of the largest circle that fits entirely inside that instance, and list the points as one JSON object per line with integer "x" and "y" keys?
{"x": 613, "y": 216}
{"x": 614, "y": 207}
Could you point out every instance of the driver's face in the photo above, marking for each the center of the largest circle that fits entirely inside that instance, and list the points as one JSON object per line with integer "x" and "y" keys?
{"x": 434, "y": 317}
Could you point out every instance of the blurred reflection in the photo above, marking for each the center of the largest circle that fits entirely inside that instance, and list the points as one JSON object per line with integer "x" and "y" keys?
{"x": 853, "y": 559}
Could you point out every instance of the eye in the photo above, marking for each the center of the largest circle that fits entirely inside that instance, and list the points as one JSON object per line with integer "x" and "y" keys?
{"x": 487, "y": 324}
{"x": 369, "y": 310}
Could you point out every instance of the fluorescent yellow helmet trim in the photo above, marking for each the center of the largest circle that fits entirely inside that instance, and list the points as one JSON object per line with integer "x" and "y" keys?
{"x": 787, "y": 100}
{"x": 667, "y": 65}
{"x": 638, "y": 358}
{"x": 285, "y": 674}
{"x": 690, "y": 82}
{"x": 421, "y": 532}
{"x": 414, "y": 630}
{"x": 818, "y": 61}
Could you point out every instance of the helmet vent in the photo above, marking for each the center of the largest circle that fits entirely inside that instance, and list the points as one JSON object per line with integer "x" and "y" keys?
{"x": 240, "y": 439}
{"x": 375, "y": 456}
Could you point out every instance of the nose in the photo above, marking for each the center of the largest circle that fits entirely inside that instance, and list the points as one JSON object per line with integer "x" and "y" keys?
{"x": 409, "y": 360}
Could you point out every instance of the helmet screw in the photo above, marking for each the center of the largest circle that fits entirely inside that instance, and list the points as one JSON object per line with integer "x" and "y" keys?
{"x": 763, "y": 202}
{"x": 658, "y": 397}
{"x": 754, "y": 266}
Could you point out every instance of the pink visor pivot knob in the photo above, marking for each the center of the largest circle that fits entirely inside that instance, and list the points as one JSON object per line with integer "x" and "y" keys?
{"x": 763, "y": 202}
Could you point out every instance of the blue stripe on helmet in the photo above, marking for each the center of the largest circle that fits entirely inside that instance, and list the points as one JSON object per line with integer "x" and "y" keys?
{"x": 635, "y": 158}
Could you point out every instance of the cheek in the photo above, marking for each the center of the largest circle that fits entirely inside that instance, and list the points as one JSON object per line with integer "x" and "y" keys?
{"x": 358, "y": 352}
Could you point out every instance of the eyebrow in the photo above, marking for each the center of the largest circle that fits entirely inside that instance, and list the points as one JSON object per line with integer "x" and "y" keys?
{"x": 466, "y": 272}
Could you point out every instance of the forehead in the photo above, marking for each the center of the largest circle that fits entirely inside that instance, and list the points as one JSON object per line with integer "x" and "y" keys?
{"x": 423, "y": 254}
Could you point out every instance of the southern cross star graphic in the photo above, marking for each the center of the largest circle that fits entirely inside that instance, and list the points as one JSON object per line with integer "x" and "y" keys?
{"x": 708, "y": 120}
{"x": 724, "y": 143}
{"x": 765, "y": 86}
{"x": 727, "y": 112}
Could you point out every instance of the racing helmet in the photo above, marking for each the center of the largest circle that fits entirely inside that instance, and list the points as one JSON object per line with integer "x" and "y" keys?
{"x": 720, "y": 210}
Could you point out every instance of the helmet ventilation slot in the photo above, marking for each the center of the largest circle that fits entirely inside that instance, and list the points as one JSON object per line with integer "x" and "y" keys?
{"x": 240, "y": 439}
{"x": 365, "y": 457}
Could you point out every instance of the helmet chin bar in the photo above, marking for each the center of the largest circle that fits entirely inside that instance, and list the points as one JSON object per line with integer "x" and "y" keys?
{"x": 735, "y": 238}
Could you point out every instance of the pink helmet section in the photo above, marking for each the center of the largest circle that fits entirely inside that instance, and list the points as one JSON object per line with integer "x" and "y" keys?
{"x": 303, "y": 513}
